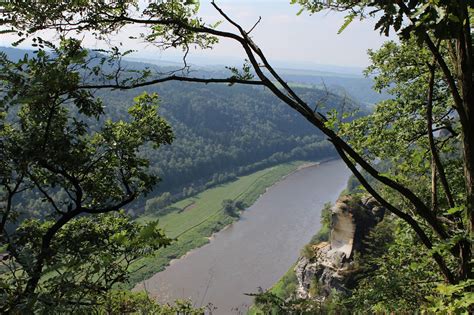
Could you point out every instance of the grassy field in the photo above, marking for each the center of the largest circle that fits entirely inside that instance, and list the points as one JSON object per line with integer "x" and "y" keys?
{"x": 203, "y": 215}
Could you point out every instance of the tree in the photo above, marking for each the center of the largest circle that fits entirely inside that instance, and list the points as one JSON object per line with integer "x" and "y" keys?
{"x": 232, "y": 207}
{"x": 64, "y": 180}
{"x": 433, "y": 25}
{"x": 159, "y": 203}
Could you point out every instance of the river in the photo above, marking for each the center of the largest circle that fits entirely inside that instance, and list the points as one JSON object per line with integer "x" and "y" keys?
{"x": 257, "y": 250}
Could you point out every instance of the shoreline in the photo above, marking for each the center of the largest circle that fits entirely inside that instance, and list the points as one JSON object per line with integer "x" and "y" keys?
{"x": 299, "y": 168}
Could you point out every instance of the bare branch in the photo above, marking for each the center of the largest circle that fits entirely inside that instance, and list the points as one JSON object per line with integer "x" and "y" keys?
{"x": 255, "y": 25}
{"x": 170, "y": 78}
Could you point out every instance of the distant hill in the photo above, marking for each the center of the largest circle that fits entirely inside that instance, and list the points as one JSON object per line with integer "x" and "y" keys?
{"x": 357, "y": 87}
{"x": 14, "y": 53}
{"x": 347, "y": 82}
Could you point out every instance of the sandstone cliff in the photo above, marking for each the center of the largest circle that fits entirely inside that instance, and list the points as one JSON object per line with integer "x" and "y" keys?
{"x": 331, "y": 265}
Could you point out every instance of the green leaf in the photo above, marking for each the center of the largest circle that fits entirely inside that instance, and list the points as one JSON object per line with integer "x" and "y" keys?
{"x": 455, "y": 210}
{"x": 347, "y": 20}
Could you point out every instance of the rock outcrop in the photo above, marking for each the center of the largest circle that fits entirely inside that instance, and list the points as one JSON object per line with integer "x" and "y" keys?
{"x": 332, "y": 267}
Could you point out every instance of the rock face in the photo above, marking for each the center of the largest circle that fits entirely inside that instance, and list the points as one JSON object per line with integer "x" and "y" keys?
{"x": 332, "y": 267}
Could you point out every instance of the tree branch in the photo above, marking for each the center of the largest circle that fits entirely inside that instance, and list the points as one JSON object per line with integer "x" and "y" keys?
{"x": 434, "y": 151}
{"x": 441, "y": 62}
{"x": 48, "y": 238}
{"x": 298, "y": 104}
{"x": 46, "y": 195}
{"x": 8, "y": 208}
{"x": 255, "y": 25}
{"x": 170, "y": 78}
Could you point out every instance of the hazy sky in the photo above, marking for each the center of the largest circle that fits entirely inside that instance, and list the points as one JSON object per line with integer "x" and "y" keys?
{"x": 303, "y": 39}
{"x": 287, "y": 39}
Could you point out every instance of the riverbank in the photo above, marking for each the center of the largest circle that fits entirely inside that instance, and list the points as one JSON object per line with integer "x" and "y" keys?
{"x": 194, "y": 226}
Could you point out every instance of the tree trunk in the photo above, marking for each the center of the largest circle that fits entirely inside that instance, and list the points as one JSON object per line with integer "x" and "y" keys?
{"x": 465, "y": 66}
{"x": 434, "y": 190}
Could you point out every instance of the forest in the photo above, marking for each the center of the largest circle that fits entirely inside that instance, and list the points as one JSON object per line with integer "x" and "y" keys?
{"x": 79, "y": 148}
{"x": 220, "y": 132}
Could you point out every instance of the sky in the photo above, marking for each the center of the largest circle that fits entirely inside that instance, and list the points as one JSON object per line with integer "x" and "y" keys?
{"x": 291, "y": 40}
{"x": 300, "y": 40}
{"x": 288, "y": 40}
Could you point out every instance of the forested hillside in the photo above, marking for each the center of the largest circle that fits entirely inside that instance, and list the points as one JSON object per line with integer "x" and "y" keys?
{"x": 221, "y": 132}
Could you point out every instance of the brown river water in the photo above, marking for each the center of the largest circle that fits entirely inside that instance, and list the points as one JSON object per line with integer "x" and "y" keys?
{"x": 257, "y": 250}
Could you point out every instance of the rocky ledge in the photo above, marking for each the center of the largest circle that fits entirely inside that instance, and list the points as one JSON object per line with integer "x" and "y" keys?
{"x": 331, "y": 265}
